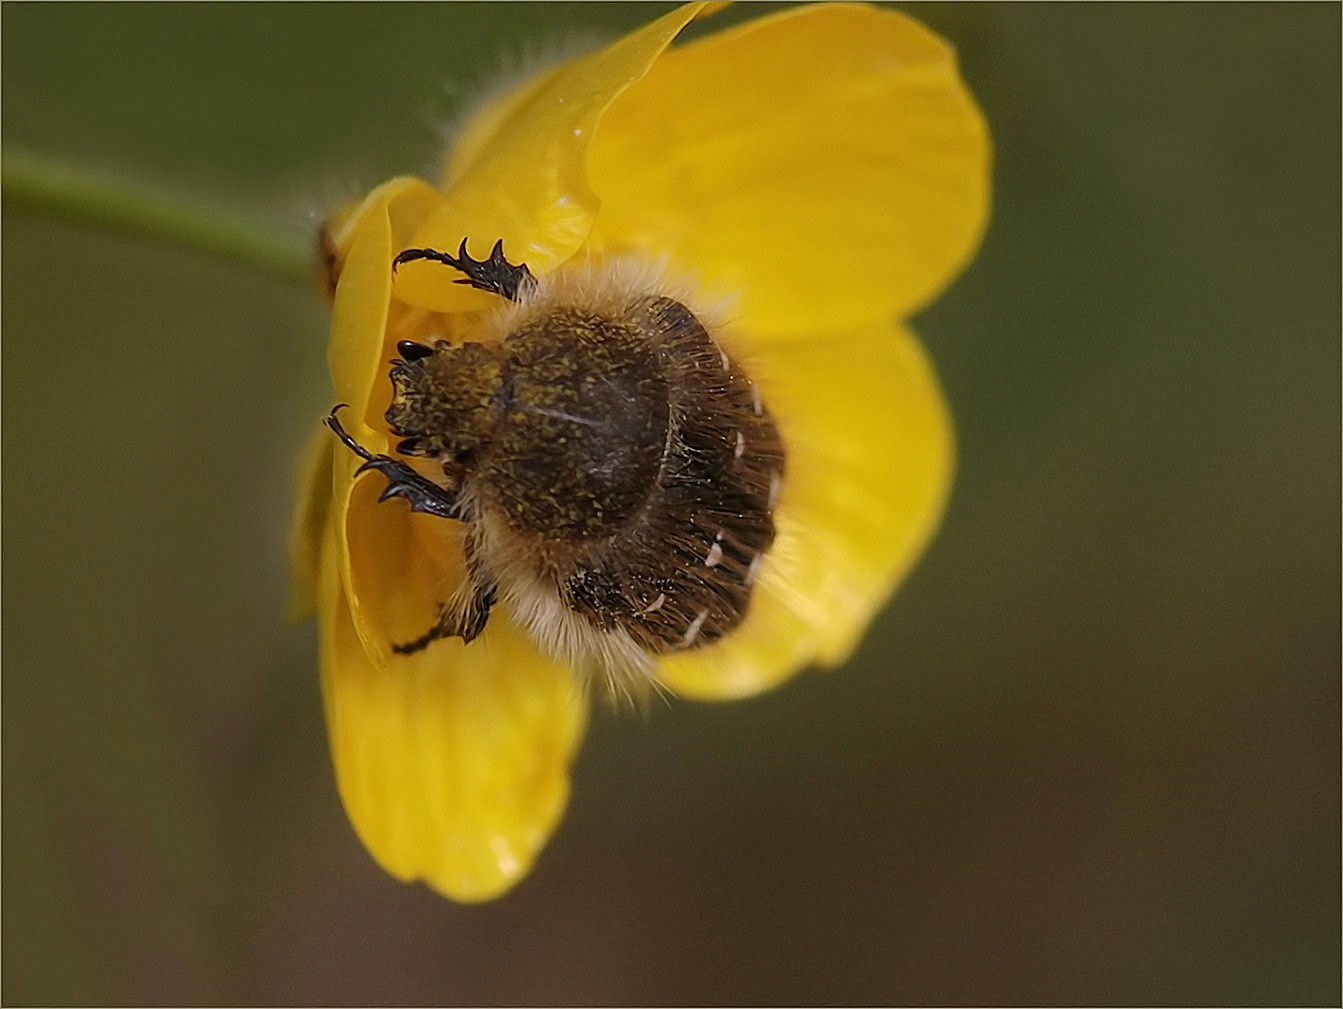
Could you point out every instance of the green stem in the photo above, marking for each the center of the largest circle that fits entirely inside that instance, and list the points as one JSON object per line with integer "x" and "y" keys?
{"x": 52, "y": 188}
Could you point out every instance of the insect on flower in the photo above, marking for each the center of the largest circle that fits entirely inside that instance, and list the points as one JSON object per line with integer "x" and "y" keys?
{"x": 617, "y": 470}
{"x": 669, "y": 431}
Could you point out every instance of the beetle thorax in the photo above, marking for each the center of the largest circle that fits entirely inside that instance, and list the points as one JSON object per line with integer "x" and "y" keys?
{"x": 560, "y": 428}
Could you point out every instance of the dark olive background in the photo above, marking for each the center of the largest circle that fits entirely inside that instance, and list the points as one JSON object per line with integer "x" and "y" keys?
{"x": 1090, "y": 753}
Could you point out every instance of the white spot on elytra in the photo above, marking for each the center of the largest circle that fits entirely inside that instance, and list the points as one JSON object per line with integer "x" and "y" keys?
{"x": 741, "y": 446}
{"x": 722, "y": 356}
{"x": 756, "y": 404}
{"x": 692, "y": 632}
{"x": 752, "y": 571}
{"x": 715, "y": 553}
{"x": 656, "y": 604}
{"x": 775, "y": 482}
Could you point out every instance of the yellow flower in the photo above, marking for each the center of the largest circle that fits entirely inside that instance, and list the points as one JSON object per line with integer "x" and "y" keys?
{"x": 826, "y": 169}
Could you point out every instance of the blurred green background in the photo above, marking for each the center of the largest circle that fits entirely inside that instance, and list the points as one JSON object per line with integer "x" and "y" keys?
{"x": 1090, "y": 753}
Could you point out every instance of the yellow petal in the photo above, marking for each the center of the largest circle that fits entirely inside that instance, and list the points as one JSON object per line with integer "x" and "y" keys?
{"x": 870, "y": 455}
{"x": 307, "y": 526}
{"x": 826, "y": 162}
{"x": 359, "y": 312}
{"x": 453, "y": 763}
{"x": 519, "y": 172}
{"x": 397, "y": 565}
